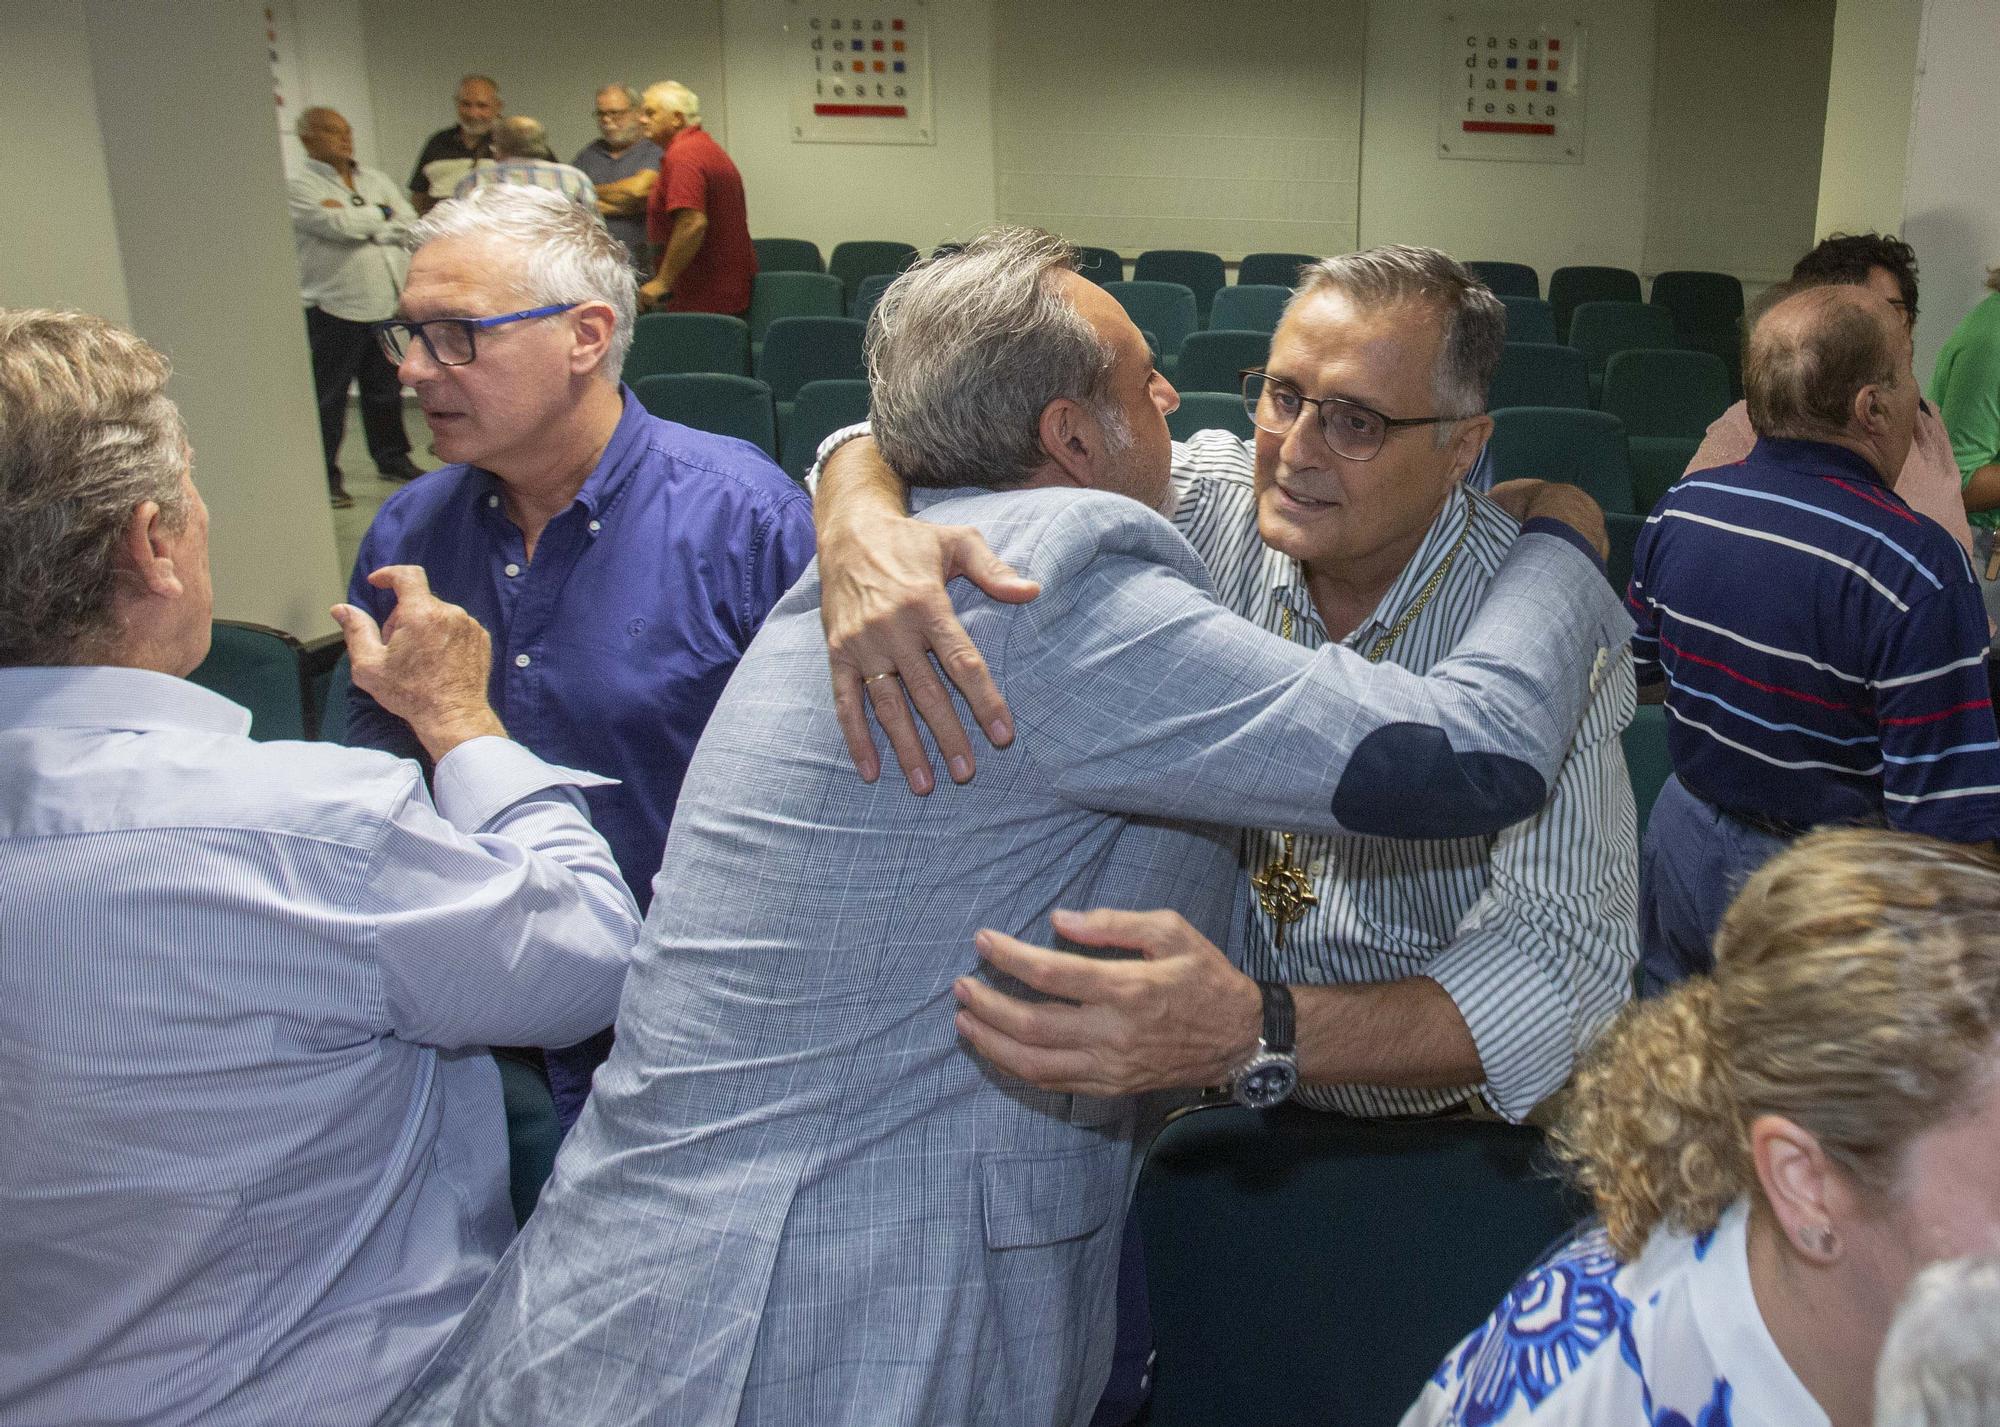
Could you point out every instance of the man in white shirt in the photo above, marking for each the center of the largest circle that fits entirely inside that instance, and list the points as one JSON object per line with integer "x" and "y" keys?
{"x": 255, "y": 1167}
{"x": 348, "y": 223}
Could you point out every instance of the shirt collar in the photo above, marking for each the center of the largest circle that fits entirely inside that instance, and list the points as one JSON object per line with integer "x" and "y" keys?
{"x": 106, "y": 697}
{"x": 1725, "y": 1311}
{"x": 328, "y": 171}
{"x": 1815, "y": 458}
{"x": 613, "y": 472}
{"x": 1288, "y": 577}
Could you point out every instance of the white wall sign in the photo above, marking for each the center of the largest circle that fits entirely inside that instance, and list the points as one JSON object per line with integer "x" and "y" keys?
{"x": 1512, "y": 87}
{"x": 860, "y": 74}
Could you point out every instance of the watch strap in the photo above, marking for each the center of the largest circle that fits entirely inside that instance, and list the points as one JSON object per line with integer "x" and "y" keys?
{"x": 1280, "y": 1017}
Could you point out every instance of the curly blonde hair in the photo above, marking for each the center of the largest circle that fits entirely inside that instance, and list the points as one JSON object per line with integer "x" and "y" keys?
{"x": 1856, "y": 993}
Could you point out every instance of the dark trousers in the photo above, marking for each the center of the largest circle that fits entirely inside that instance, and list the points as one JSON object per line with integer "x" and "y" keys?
{"x": 1695, "y": 860}
{"x": 343, "y": 352}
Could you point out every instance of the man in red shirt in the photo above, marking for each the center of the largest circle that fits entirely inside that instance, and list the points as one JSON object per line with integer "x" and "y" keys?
{"x": 695, "y": 213}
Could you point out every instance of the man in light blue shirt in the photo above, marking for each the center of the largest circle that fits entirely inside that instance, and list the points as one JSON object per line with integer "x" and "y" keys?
{"x": 247, "y": 1179}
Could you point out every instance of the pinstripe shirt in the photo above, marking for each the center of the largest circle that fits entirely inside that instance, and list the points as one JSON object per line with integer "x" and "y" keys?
{"x": 568, "y": 180}
{"x": 1532, "y": 932}
{"x": 239, "y": 1184}
{"x": 1824, "y": 647}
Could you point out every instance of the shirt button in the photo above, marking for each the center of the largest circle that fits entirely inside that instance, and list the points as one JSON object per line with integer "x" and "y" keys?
{"x": 522, "y": 661}
{"x": 513, "y": 570}
{"x": 595, "y": 526}
{"x": 492, "y": 501}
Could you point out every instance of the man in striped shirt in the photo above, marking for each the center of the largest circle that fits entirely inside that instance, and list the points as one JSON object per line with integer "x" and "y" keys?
{"x": 522, "y": 155}
{"x": 1821, "y": 644}
{"x": 1427, "y": 975}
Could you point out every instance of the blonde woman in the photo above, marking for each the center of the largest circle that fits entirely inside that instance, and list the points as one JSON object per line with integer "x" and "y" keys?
{"x": 1774, "y": 1152}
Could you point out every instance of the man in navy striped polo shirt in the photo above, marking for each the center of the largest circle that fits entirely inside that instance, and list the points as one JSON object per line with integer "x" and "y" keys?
{"x": 1822, "y": 644}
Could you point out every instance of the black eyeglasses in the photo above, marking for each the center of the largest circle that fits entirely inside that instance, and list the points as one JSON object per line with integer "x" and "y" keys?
{"x": 1349, "y": 428}
{"x": 450, "y": 340}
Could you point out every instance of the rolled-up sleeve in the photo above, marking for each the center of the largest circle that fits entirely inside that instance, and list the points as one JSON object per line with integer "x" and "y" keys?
{"x": 1544, "y": 958}
{"x": 500, "y": 917}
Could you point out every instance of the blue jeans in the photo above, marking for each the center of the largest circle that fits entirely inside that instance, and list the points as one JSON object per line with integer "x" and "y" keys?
{"x": 1695, "y": 859}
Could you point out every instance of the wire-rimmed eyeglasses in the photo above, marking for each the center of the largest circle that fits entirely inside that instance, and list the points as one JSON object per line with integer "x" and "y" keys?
{"x": 1350, "y": 429}
{"x": 450, "y": 340}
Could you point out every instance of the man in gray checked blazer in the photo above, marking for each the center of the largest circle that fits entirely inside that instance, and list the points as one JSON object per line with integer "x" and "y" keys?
{"x": 795, "y": 1197}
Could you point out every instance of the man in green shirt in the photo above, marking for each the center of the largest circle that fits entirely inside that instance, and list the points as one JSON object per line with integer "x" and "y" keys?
{"x": 1965, "y": 388}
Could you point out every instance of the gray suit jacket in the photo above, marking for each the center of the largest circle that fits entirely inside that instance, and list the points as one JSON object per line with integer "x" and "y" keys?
{"x": 795, "y": 1197}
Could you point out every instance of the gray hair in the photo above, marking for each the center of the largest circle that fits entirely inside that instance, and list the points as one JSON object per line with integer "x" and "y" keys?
{"x": 566, "y": 253}
{"x": 1475, "y": 321}
{"x": 519, "y": 137}
{"x": 966, "y": 350}
{"x": 87, "y": 434}
{"x": 631, "y": 94}
{"x": 677, "y": 97}
{"x": 1940, "y": 1365}
{"x": 1810, "y": 353}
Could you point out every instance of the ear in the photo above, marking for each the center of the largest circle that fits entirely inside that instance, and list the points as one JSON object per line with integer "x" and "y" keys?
{"x": 1869, "y": 408}
{"x": 594, "y": 324}
{"x": 1071, "y": 437}
{"x": 1472, "y": 434}
{"x": 1806, "y": 1195}
{"x": 143, "y": 550}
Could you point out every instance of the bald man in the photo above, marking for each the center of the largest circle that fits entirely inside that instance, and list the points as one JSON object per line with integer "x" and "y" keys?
{"x": 348, "y": 224}
{"x": 1821, "y": 645}
{"x": 521, "y": 155}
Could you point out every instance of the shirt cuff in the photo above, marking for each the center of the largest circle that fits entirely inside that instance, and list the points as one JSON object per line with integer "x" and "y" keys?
{"x": 483, "y": 777}
{"x": 1549, "y": 525}
{"x": 1517, "y": 1021}
{"x": 827, "y": 448}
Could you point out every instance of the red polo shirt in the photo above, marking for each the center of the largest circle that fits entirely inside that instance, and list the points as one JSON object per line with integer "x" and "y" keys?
{"x": 695, "y": 173}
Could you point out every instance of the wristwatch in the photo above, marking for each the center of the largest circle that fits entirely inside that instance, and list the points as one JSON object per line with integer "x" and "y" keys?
{"x": 1272, "y": 1073}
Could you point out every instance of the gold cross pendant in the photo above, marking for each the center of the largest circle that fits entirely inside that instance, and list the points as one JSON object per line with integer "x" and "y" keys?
{"x": 1283, "y": 890}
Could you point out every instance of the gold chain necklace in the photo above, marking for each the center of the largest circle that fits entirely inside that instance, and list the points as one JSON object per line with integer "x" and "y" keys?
{"x": 1283, "y": 889}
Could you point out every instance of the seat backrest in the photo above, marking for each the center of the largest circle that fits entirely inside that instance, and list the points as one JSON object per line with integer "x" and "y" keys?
{"x": 822, "y": 408}
{"x": 1166, "y": 309}
{"x": 852, "y": 262}
{"x": 264, "y": 670}
{"x": 1568, "y": 287}
{"x": 1578, "y": 448}
{"x": 1200, "y": 273}
{"x": 1209, "y": 411}
{"x": 688, "y": 342}
{"x": 713, "y": 401}
{"x": 1214, "y": 360}
{"x": 1255, "y": 307}
{"x": 869, "y": 293}
{"x": 1665, "y": 393}
{"x": 1597, "y": 329}
{"x": 1539, "y": 374}
{"x": 783, "y": 294}
{"x": 787, "y": 255}
{"x": 1272, "y": 269}
{"x": 1623, "y": 530}
{"x": 1647, "y": 761}
{"x": 534, "y": 1134}
{"x": 1508, "y": 279}
{"x": 1362, "y": 1251}
{"x": 1701, "y": 302}
{"x": 1529, "y": 319}
{"x": 1100, "y": 265}
{"x": 798, "y": 350}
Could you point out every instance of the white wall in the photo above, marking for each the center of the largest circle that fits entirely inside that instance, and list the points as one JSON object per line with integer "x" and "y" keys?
{"x": 330, "y": 48}
{"x": 1545, "y": 214}
{"x": 1870, "y": 90}
{"x": 915, "y": 193}
{"x": 1749, "y": 82}
{"x": 211, "y": 280}
{"x": 62, "y": 252}
{"x": 1136, "y": 124}
{"x": 1951, "y": 206}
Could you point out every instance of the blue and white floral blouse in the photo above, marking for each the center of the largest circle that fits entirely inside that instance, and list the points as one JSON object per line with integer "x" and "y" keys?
{"x": 1672, "y": 1339}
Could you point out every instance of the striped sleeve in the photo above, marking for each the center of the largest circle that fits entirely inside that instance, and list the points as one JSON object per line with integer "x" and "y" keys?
{"x": 1934, "y": 711}
{"x": 1544, "y": 958}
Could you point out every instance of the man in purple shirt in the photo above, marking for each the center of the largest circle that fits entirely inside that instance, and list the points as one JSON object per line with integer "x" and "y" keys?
{"x": 620, "y": 562}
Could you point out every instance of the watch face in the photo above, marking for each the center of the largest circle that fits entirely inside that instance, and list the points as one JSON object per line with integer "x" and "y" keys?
{"x": 1263, "y": 1086}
